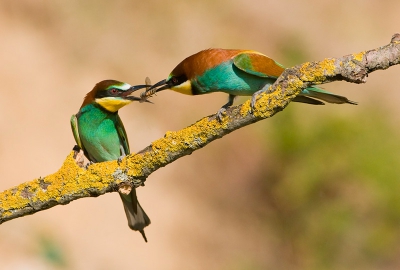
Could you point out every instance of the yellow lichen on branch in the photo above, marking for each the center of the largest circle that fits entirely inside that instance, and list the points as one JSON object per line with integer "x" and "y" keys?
{"x": 317, "y": 72}
{"x": 358, "y": 56}
{"x": 69, "y": 181}
{"x": 41, "y": 189}
{"x": 187, "y": 139}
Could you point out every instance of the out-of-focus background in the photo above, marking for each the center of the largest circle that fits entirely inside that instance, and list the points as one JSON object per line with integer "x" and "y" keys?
{"x": 314, "y": 187}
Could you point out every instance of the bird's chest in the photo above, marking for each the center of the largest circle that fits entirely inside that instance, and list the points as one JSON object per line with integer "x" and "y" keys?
{"x": 99, "y": 136}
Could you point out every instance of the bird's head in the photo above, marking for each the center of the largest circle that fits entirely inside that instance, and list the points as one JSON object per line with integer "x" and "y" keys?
{"x": 178, "y": 80}
{"x": 112, "y": 95}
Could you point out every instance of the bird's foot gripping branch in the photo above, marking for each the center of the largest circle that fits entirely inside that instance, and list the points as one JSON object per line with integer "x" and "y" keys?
{"x": 72, "y": 182}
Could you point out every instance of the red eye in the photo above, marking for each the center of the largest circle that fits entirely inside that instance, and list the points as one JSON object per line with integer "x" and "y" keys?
{"x": 114, "y": 91}
{"x": 174, "y": 80}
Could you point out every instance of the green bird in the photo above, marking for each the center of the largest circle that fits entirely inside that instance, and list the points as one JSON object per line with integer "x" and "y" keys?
{"x": 235, "y": 72}
{"x": 99, "y": 132}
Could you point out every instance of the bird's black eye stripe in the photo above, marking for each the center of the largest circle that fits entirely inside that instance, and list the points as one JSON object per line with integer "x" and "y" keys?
{"x": 176, "y": 80}
{"x": 107, "y": 93}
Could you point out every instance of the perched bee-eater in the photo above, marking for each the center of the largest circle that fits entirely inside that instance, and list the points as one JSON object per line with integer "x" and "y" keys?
{"x": 99, "y": 132}
{"x": 235, "y": 72}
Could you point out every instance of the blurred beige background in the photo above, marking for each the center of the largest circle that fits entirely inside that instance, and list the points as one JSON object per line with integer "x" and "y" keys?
{"x": 311, "y": 188}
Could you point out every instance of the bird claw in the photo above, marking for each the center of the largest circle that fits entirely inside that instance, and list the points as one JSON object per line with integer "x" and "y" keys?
{"x": 254, "y": 99}
{"x": 88, "y": 164}
{"x": 119, "y": 160}
{"x": 78, "y": 156}
{"x": 220, "y": 114}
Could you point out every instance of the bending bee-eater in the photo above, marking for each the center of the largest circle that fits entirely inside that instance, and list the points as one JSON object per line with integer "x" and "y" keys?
{"x": 235, "y": 72}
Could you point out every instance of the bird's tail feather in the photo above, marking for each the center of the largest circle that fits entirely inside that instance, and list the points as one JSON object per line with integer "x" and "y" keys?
{"x": 137, "y": 218}
{"x": 318, "y": 93}
{"x": 308, "y": 100}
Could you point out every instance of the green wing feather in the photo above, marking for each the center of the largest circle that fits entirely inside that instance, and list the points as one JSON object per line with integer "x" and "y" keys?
{"x": 122, "y": 134}
{"x": 75, "y": 131}
{"x": 258, "y": 64}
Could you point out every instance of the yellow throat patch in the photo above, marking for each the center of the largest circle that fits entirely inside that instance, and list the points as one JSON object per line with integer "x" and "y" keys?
{"x": 112, "y": 104}
{"x": 183, "y": 88}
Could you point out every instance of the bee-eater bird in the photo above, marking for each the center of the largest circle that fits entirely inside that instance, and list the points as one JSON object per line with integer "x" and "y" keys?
{"x": 99, "y": 132}
{"x": 235, "y": 72}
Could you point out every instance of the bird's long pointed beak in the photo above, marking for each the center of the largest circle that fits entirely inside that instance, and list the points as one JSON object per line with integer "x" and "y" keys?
{"x": 137, "y": 87}
{"x": 162, "y": 88}
{"x": 133, "y": 89}
{"x": 162, "y": 85}
{"x": 133, "y": 98}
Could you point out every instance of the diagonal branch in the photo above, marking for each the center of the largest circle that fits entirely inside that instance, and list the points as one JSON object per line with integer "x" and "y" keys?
{"x": 72, "y": 182}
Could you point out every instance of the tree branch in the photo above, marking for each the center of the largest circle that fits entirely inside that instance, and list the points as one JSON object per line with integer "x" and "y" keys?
{"x": 72, "y": 182}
